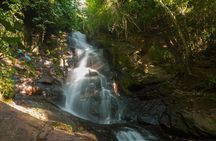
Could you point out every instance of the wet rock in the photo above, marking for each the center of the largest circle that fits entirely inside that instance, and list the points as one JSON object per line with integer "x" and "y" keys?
{"x": 146, "y": 112}
{"x": 181, "y": 120}
{"x": 92, "y": 73}
{"x": 175, "y": 122}
{"x": 136, "y": 134}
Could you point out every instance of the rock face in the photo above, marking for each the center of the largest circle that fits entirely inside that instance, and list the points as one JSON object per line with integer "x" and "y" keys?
{"x": 184, "y": 116}
{"x": 140, "y": 78}
{"x": 52, "y": 89}
{"x": 190, "y": 124}
{"x": 196, "y": 118}
{"x": 14, "y": 125}
{"x": 18, "y": 126}
{"x": 145, "y": 112}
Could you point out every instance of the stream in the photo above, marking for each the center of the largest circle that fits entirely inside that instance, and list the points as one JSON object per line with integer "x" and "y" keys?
{"x": 91, "y": 94}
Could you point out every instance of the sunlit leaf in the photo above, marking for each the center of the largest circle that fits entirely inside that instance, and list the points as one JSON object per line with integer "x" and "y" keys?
{"x": 7, "y": 25}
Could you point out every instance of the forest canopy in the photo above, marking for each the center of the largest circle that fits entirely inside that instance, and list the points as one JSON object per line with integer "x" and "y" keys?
{"x": 186, "y": 27}
{"x": 194, "y": 19}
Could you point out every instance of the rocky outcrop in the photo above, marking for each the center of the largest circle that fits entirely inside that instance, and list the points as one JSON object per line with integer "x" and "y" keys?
{"x": 190, "y": 124}
{"x": 134, "y": 69}
{"x": 16, "y": 125}
{"x": 150, "y": 102}
{"x": 193, "y": 117}
{"x": 52, "y": 90}
{"x": 144, "y": 112}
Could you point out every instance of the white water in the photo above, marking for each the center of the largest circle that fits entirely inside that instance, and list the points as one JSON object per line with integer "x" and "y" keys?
{"x": 89, "y": 93}
{"x": 129, "y": 134}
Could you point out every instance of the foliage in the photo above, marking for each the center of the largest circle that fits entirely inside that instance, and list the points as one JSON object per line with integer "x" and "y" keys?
{"x": 6, "y": 81}
{"x": 184, "y": 25}
{"x": 10, "y": 39}
{"x": 120, "y": 17}
{"x": 161, "y": 54}
{"x": 211, "y": 82}
{"x": 10, "y": 25}
{"x": 43, "y": 18}
{"x": 52, "y": 15}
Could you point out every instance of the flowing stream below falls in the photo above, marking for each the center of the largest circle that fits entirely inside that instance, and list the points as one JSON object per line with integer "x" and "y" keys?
{"x": 90, "y": 91}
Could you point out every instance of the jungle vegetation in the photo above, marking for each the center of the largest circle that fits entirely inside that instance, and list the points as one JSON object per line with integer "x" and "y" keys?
{"x": 184, "y": 27}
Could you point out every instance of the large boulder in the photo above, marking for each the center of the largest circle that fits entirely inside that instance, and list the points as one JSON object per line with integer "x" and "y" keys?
{"x": 52, "y": 89}
{"x": 191, "y": 116}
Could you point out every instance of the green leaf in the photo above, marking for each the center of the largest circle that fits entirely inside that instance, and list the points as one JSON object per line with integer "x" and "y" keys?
{"x": 12, "y": 40}
{"x": 18, "y": 25}
{"x": 7, "y": 25}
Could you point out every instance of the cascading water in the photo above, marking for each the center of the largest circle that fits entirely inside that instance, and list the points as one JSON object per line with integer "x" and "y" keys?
{"x": 89, "y": 93}
{"x": 129, "y": 134}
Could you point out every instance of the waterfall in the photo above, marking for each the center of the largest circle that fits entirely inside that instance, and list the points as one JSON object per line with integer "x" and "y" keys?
{"x": 91, "y": 94}
{"x": 130, "y": 134}
{"x": 88, "y": 92}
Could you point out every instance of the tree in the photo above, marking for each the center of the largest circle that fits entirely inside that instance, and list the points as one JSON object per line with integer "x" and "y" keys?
{"x": 10, "y": 24}
{"x": 184, "y": 25}
{"x": 11, "y": 38}
{"x": 49, "y": 17}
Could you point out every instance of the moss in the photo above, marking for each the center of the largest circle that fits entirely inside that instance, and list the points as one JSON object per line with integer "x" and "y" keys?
{"x": 62, "y": 126}
{"x": 6, "y": 80}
